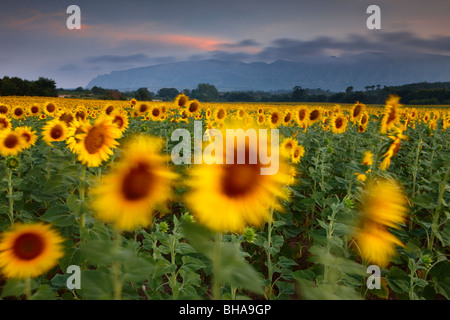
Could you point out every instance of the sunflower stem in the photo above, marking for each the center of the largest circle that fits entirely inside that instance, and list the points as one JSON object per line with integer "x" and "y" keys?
{"x": 434, "y": 225}
{"x": 82, "y": 191}
{"x": 28, "y": 288}
{"x": 11, "y": 199}
{"x": 216, "y": 289}
{"x": 269, "y": 259}
{"x": 116, "y": 269}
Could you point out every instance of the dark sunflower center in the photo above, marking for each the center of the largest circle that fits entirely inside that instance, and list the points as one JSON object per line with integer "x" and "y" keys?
{"x": 3, "y": 109}
{"x": 156, "y": 112}
{"x": 193, "y": 107}
{"x": 80, "y": 115}
{"x": 28, "y": 246}
{"x": 182, "y": 101}
{"x": 296, "y": 153}
{"x": 51, "y": 108}
{"x": 34, "y": 109}
{"x": 314, "y": 115}
{"x": 18, "y": 112}
{"x": 239, "y": 179}
{"x": 3, "y": 123}
{"x": 11, "y": 141}
{"x": 143, "y": 108}
{"x": 27, "y": 136}
{"x": 364, "y": 119}
{"x": 391, "y": 116}
{"x": 56, "y": 132}
{"x": 137, "y": 184}
{"x": 94, "y": 140}
{"x": 118, "y": 121}
{"x": 356, "y": 111}
{"x": 66, "y": 117}
{"x": 302, "y": 114}
{"x": 287, "y": 118}
{"x": 339, "y": 123}
{"x": 221, "y": 114}
{"x": 274, "y": 118}
{"x": 241, "y": 113}
{"x": 109, "y": 110}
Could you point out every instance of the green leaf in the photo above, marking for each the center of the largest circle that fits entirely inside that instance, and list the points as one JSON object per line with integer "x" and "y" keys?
{"x": 16, "y": 288}
{"x": 45, "y": 292}
{"x": 96, "y": 285}
{"x": 304, "y": 275}
{"x": 397, "y": 280}
{"x": 59, "y": 215}
{"x": 99, "y": 252}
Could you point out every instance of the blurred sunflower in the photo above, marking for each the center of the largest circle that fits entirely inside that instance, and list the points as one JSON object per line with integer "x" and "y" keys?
{"x": 108, "y": 109}
{"x": 220, "y": 114}
{"x": 383, "y": 206}
{"x": 287, "y": 147}
{"x": 4, "y": 110}
{"x": 297, "y": 153}
{"x": 120, "y": 119}
{"x": 18, "y": 113}
{"x": 314, "y": 116}
{"x": 50, "y": 108}
{"x": 28, "y": 134}
{"x": 35, "y": 110}
{"x": 391, "y": 114}
{"x": 357, "y": 111}
{"x": 29, "y": 250}
{"x": 5, "y": 122}
{"x": 229, "y": 197}
{"x": 275, "y": 119}
{"x": 155, "y": 113}
{"x": 11, "y": 143}
{"x": 181, "y": 100}
{"x": 139, "y": 184}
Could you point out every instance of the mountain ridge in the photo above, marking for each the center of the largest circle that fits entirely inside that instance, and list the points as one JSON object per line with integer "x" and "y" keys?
{"x": 328, "y": 73}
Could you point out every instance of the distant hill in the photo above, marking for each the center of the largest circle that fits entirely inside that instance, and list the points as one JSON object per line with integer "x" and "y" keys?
{"x": 335, "y": 74}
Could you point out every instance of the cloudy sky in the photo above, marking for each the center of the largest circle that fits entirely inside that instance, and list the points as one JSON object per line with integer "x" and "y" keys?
{"x": 118, "y": 35}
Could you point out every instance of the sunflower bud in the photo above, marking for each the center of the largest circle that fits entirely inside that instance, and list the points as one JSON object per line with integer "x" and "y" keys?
{"x": 144, "y": 127}
{"x": 187, "y": 217}
{"x": 330, "y": 150}
{"x": 327, "y": 141}
{"x": 427, "y": 261}
{"x": 349, "y": 203}
{"x": 12, "y": 162}
{"x": 249, "y": 234}
{"x": 163, "y": 227}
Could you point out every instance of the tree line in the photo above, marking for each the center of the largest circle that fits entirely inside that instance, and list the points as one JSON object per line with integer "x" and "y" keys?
{"x": 18, "y": 87}
{"x": 424, "y": 93}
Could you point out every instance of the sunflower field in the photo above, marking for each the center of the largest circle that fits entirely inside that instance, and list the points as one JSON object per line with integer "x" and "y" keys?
{"x": 92, "y": 205}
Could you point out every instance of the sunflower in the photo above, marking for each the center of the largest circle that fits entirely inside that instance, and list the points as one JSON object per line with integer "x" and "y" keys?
{"x": 297, "y": 153}
{"x": 240, "y": 113}
{"x": 181, "y": 100}
{"x": 391, "y": 114}
{"x": 5, "y": 122}
{"x": 314, "y": 116}
{"x": 4, "y": 110}
{"x": 108, "y": 109}
{"x": 220, "y": 115}
{"x": 364, "y": 119}
{"x": 50, "y": 108}
{"x": 120, "y": 119}
{"x": 208, "y": 113}
{"x": 302, "y": 116}
{"x": 155, "y": 113}
{"x": 287, "y": 147}
{"x": 339, "y": 123}
{"x": 133, "y": 102}
{"x": 287, "y": 118}
{"x": 261, "y": 119}
{"x": 29, "y": 250}
{"x": 54, "y": 130}
{"x": 139, "y": 184}
{"x": 142, "y": 108}
{"x": 97, "y": 141}
{"x": 11, "y": 143}
{"x": 357, "y": 111}
{"x": 18, "y": 113}
{"x": 78, "y": 127}
{"x": 81, "y": 113}
{"x": 66, "y": 116}
{"x": 28, "y": 134}
{"x": 275, "y": 119}
{"x": 383, "y": 206}
{"x": 34, "y": 110}
{"x": 229, "y": 197}
{"x": 368, "y": 158}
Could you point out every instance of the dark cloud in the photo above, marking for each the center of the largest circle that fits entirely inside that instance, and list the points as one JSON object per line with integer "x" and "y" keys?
{"x": 134, "y": 58}
{"x": 241, "y": 44}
